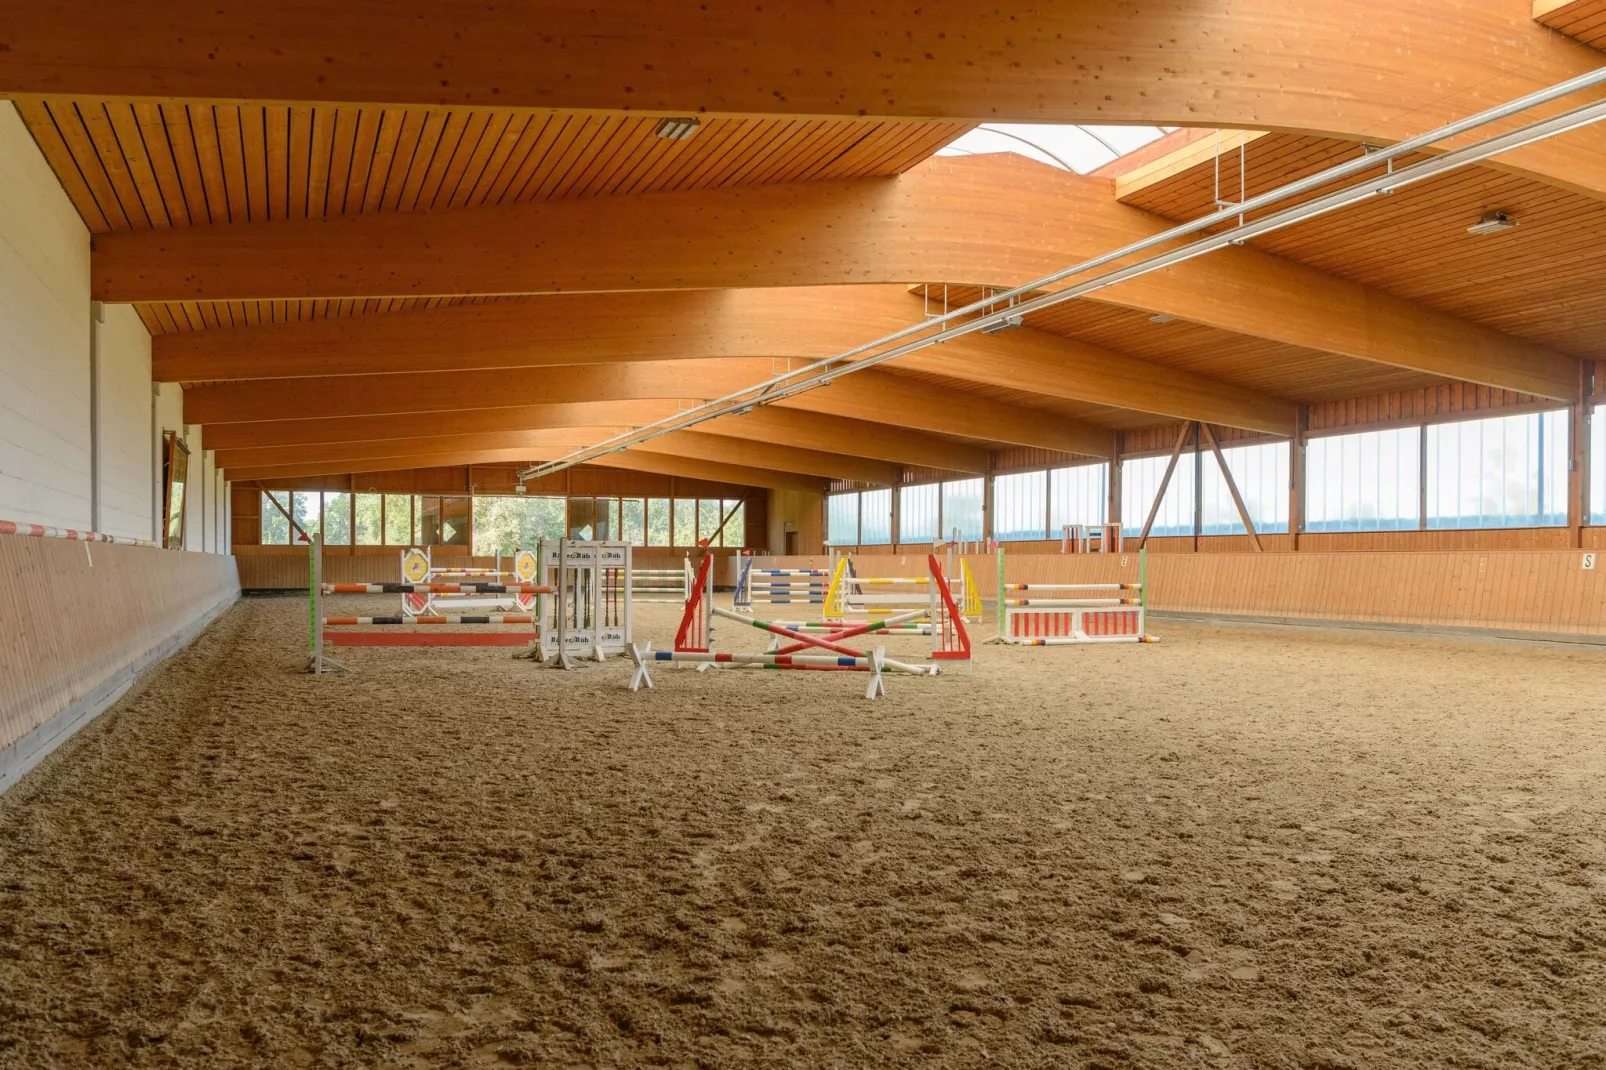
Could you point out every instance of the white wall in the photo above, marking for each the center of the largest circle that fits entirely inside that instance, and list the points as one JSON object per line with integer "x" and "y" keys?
{"x": 44, "y": 339}
{"x": 125, "y": 424}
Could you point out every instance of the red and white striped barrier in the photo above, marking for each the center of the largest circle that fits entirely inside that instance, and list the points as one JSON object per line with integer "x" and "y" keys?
{"x": 492, "y": 618}
{"x": 43, "y": 531}
{"x": 1073, "y": 613}
{"x": 436, "y": 588}
{"x": 694, "y": 639}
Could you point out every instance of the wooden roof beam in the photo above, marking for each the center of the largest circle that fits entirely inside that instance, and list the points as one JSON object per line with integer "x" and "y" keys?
{"x": 873, "y": 395}
{"x": 612, "y": 416}
{"x": 802, "y": 323}
{"x": 887, "y": 442}
{"x": 811, "y": 431}
{"x": 738, "y": 475}
{"x": 964, "y": 220}
{"x": 1252, "y": 64}
{"x": 689, "y": 444}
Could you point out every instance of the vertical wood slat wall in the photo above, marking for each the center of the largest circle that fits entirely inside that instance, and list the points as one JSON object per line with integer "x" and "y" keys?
{"x": 82, "y": 614}
{"x": 1545, "y": 591}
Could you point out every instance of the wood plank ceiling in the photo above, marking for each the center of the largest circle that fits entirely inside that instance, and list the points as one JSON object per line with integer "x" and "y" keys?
{"x": 1581, "y": 19}
{"x": 147, "y": 166}
{"x": 1529, "y": 281}
{"x": 141, "y": 165}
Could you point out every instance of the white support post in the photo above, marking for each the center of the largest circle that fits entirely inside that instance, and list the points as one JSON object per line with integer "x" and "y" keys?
{"x": 639, "y": 656}
{"x": 877, "y": 686}
{"x": 563, "y": 661}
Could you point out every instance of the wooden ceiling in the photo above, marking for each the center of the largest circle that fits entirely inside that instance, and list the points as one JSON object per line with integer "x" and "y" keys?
{"x": 1534, "y": 281}
{"x": 136, "y": 165}
{"x": 1581, "y": 19}
{"x": 1399, "y": 265}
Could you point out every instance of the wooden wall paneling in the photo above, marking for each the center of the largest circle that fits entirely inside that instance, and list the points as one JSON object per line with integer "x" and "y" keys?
{"x": 1540, "y": 591}
{"x": 141, "y": 597}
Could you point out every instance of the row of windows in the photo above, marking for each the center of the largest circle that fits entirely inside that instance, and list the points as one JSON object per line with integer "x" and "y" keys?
{"x": 497, "y": 524}
{"x": 1506, "y": 471}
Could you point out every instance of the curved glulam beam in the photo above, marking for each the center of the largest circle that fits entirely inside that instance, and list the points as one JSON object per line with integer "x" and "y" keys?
{"x": 984, "y": 220}
{"x": 735, "y": 474}
{"x": 688, "y": 444}
{"x": 875, "y": 396}
{"x": 805, "y": 323}
{"x": 1378, "y": 69}
{"x": 806, "y": 430}
{"x": 613, "y": 416}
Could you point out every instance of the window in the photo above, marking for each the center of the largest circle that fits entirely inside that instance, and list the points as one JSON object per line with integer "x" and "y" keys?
{"x": 504, "y": 525}
{"x": 842, "y": 519}
{"x": 426, "y": 520}
{"x": 685, "y": 522}
{"x": 398, "y": 519}
{"x": 632, "y": 527}
{"x": 370, "y": 519}
{"x": 962, "y": 503}
{"x": 308, "y": 511}
{"x": 1141, "y": 482}
{"x": 1079, "y": 495}
{"x": 658, "y": 522}
{"x": 917, "y": 512}
{"x": 1365, "y": 482}
{"x": 1020, "y": 506}
{"x": 708, "y": 518}
{"x": 1597, "y": 464}
{"x": 735, "y": 533}
{"x": 275, "y": 528}
{"x": 455, "y": 513}
{"x": 875, "y": 517}
{"x": 1504, "y": 472}
{"x": 594, "y": 519}
{"x": 336, "y": 518}
{"x": 1261, "y": 473}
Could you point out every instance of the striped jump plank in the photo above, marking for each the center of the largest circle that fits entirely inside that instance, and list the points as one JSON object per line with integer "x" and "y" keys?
{"x": 1071, "y": 603}
{"x": 779, "y": 661}
{"x": 435, "y": 588}
{"x": 494, "y": 618}
{"x": 1073, "y": 586}
{"x": 519, "y": 639}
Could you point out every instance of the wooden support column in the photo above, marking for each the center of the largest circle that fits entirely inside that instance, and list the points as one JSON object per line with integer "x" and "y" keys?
{"x": 1198, "y": 486}
{"x": 1578, "y": 457}
{"x": 1296, "y": 478}
{"x": 1232, "y": 488}
{"x": 1165, "y": 482}
{"x": 1113, "y": 516}
{"x": 1422, "y": 476}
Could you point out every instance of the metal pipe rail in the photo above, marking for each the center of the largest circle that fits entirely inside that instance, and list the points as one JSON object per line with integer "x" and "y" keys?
{"x": 823, "y": 372}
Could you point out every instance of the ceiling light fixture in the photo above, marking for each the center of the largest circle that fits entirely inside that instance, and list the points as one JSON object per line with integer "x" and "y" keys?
{"x": 677, "y": 129}
{"x": 1161, "y": 317}
{"x": 1492, "y": 223}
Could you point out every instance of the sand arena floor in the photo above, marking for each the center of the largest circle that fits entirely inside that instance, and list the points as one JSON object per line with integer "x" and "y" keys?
{"x": 1238, "y": 848}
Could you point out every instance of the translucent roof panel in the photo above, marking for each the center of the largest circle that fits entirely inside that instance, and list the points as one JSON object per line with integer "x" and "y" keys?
{"x": 1075, "y": 148}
